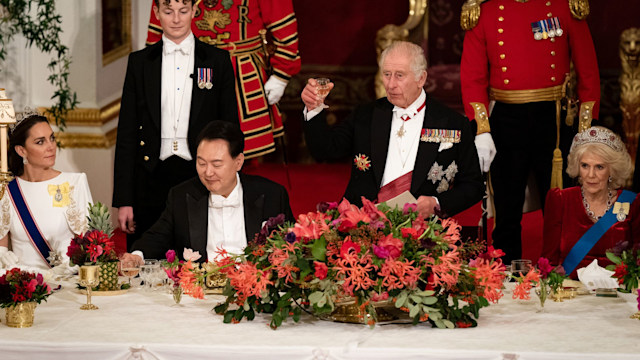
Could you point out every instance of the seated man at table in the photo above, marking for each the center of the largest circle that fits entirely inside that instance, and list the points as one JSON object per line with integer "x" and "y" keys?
{"x": 221, "y": 208}
{"x": 406, "y": 141}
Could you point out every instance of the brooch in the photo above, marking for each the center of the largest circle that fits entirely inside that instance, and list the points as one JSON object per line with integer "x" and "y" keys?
{"x": 440, "y": 135}
{"x": 362, "y": 162}
{"x": 621, "y": 210}
{"x": 205, "y": 77}
{"x": 60, "y": 194}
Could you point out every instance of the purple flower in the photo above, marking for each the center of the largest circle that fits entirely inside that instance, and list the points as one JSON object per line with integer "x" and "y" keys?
{"x": 638, "y": 299}
{"x": 290, "y": 237}
{"x": 39, "y": 279}
{"x": 409, "y": 207}
{"x": 275, "y": 221}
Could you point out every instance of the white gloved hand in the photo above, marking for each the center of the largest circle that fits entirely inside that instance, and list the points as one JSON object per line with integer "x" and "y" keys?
{"x": 274, "y": 89}
{"x": 8, "y": 258}
{"x": 64, "y": 270}
{"x": 486, "y": 150}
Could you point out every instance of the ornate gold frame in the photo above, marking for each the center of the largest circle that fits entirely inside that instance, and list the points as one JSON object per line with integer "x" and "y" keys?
{"x": 125, "y": 48}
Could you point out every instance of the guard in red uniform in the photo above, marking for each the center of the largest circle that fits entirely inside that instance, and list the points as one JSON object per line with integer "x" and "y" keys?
{"x": 234, "y": 25}
{"x": 518, "y": 53}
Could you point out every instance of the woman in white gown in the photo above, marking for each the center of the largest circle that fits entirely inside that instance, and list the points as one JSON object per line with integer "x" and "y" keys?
{"x": 42, "y": 208}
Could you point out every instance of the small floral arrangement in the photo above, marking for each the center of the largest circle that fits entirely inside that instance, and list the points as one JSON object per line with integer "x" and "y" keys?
{"x": 371, "y": 254}
{"x": 626, "y": 266}
{"x": 544, "y": 275}
{"x": 91, "y": 247}
{"x": 185, "y": 274}
{"x": 18, "y": 286}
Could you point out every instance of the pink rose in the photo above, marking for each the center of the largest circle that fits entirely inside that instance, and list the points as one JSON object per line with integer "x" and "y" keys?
{"x": 190, "y": 255}
{"x": 171, "y": 256}
{"x": 544, "y": 267}
{"x": 392, "y": 245}
{"x": 321, "y": 270}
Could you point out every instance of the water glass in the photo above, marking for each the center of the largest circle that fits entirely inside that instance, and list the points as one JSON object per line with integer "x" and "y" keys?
{"x": 520, "y": 267}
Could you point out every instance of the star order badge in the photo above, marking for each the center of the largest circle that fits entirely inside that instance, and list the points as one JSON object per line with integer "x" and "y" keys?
{"x": 362, "y": 162}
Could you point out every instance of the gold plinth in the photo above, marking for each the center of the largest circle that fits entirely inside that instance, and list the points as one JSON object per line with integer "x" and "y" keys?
{"x": 214, "y": 283}
{"x": 21, "y": 315}
{"x": 349, "y": 312}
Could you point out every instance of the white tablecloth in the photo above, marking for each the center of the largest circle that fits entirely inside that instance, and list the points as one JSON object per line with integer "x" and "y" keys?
{"x": 145, "y": 325}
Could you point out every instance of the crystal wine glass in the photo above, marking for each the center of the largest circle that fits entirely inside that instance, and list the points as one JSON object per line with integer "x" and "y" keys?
{"x": 520, "y": 267}
{"x": 130, "y": 269}
{"x": 322, "y": 88}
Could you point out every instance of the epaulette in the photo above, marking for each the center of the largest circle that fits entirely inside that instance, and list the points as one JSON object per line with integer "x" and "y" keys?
{"x": 579, "y": 8}
{"x": 470, "y": 14}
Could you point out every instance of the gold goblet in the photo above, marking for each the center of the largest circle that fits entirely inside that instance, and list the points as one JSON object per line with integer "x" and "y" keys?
{"x": 89, "y": 277}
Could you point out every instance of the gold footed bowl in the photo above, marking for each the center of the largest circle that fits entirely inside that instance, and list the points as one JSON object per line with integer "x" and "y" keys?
{"x": 347, "y": 311}
{"x": 21, "y": 315}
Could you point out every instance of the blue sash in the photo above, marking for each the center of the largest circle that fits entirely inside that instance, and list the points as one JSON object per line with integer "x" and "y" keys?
{"x": 29, "y": 224}
{"x": 591, "y": 237}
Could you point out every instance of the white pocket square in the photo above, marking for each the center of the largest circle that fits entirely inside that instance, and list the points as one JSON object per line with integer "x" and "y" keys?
{"x": 445, "y": 146}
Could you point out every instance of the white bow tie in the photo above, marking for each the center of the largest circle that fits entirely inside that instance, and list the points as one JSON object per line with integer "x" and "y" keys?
{"x": 170, "y": 48}
{"x": 219, "y": 204}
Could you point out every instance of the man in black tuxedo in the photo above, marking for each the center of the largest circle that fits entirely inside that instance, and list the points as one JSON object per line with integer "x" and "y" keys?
{"x": 221, "y": 208}
{"x": 171, "y": 91}
{"x": 404, "y": 142}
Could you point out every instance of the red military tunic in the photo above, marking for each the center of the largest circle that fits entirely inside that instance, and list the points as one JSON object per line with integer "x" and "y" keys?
{"x": 233, "y": 25}
{"x": 501, "y": 52}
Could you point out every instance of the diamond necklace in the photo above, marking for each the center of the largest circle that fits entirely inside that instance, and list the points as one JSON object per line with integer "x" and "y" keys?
{"x": 588, "y": 209}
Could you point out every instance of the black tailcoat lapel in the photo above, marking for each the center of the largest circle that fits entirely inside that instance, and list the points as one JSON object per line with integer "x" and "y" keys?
{"x": 153, "y": 81}
{"x": 197, "y": 94}
{"x": 198, "y": 215}
{"x": 253, "y": 201}
{"x": 380, "y": 130}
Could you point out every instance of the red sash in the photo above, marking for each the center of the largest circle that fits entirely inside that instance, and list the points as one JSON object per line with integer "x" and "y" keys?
{"x": 395, "y": 188}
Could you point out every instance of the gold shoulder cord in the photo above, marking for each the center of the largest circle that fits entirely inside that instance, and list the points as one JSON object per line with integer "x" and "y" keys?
{"x": 579, "y": 8}
{"x": 470, "y": 14}
{"x": 482, "y": 117}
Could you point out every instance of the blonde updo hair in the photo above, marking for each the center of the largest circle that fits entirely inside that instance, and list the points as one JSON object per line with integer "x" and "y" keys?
{"x": 619, "y": 162}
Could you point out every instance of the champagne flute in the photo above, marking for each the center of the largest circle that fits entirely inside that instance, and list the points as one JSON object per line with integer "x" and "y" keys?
{"x": 322, "y": 88}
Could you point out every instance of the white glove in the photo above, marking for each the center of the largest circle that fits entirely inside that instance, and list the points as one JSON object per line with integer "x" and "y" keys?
{"x": 8, "y": 259}
{"x": 64, "y": 270}
{"x": 486, "y": 150}
{"x": 274, "y": 89}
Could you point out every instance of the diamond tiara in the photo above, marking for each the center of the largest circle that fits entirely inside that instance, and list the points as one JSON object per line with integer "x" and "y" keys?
{"x": 600, "y": 135}
{"x": 20, "y": 117}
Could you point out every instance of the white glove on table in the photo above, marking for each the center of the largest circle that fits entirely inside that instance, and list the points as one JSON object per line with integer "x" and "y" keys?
{"x": 274, "y": 89}
{"x": 8, "y": 258}
{"x": 486, "y": 150}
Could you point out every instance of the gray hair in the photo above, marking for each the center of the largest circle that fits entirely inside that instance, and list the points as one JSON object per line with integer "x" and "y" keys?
{"x": 415, "y": 53}
{"x": 619, "y": 162}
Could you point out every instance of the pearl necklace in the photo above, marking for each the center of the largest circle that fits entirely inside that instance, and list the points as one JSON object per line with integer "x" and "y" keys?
{"x": 587, "y": 208}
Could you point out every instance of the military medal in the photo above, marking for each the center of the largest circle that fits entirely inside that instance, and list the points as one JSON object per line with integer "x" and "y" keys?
{"x": 556, "y": 23}
{"x": 58, "y": 195}
{"x": 545, "y": 35}
{"x": 537, "y": 31}
{"x": 205, "y": 76}
{"x": 551, "y": 27}
{"x": 621, "y": 210}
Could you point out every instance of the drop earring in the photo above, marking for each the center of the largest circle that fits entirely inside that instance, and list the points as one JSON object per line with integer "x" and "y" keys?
{"x": 24, "y": 160}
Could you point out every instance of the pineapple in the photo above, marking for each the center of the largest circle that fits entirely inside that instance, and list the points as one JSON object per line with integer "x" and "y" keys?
{"x": 100, "y": 218}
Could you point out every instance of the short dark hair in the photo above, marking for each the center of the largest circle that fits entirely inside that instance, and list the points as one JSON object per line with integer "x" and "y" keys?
{"x": 225, "y": 130}
{"x": 167, "y": 2}
{"x": 18, "y": 137}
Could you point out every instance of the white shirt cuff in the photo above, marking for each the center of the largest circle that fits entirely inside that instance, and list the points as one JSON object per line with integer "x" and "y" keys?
{"x": 139, "y": 253}
{"x": 308, "y": 115}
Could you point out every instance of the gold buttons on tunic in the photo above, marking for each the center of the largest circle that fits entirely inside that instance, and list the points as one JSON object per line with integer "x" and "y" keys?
{"x": 553, "y": 78}
{"x": 500, "y": 31}
{"x": 500, "y": 18}
{"x": 501, "y": 7}
{"x": 549, "y": 14}
{"x": 506, "y": 81}
{"x": 548, "y": 3}
{"x": 140, "y": 127}
{"x": 553, "y": 39}
{"x": 146, "y": 158}
{"x": 553, "y": 53}
{"x": 502, "y": 56}
{"x": 553, "y": 66}
{"x": 504, "y": 69}
{"x": 141, "y": 143}
{"x": 500, "y": 43}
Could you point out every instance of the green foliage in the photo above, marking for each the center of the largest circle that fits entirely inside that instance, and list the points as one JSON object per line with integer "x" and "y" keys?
{"x": 39, "y": 23}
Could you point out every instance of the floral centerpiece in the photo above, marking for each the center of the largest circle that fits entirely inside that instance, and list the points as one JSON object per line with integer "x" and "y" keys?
{"x": 626, "y": 266}
{"x": 184, "y": 274}
{"x": 20, "y": 291}
{"x": 95, "y": 247}
{"x": 368, "y": 255}
{"x": 545, "y": 276}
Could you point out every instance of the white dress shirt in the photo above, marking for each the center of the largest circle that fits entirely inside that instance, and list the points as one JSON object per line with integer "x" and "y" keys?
{"x": 175, "y": 104}
{"x": 226, "y": 222}
{"x": 402, "y": 151}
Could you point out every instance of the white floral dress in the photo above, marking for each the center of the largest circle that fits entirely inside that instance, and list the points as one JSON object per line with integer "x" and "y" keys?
{"x": 59, "y": 207}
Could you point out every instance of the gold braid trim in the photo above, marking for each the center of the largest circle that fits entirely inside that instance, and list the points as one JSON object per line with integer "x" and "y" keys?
{"x": 579, "y": 8}
{"x": 586, "y": 115}
{"x": 482, "y": 117}
{"x": 470, "y": 14}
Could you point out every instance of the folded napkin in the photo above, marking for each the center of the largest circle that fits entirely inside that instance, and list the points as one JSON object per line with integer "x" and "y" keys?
{"x": 594, "y": 277}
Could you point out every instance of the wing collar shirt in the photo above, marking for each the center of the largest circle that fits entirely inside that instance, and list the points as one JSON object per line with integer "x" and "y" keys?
{"x": 226, "y": 222}
{"x": 402, "y": 151}
{"x": 177, "y": 85}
